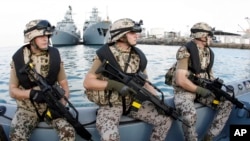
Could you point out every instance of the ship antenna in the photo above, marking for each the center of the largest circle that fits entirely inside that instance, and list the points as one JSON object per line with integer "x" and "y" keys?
{"x": 107, "y": 13}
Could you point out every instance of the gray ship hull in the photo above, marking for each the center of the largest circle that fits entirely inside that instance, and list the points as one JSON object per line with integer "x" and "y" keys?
{"x": 95, "y": 34}
{"x": 62, "y": 38}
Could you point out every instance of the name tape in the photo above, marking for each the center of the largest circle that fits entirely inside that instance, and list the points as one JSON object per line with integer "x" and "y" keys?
{"x": 239, "y": 132}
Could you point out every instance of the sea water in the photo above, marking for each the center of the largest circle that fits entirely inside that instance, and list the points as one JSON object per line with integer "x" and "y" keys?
{"x": 229, "y": 65}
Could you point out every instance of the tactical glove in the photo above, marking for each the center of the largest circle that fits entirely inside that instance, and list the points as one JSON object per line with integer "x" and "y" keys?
{"x": 36, "y": 96}
{"x": 203, "y": 92}
{"x": 120, "y": 87}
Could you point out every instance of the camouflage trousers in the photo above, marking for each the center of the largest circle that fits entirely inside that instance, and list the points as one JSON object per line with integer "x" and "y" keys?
{"x": 108, "y": 120}
{"x": 25, "y": 121}
{"x": 184, "y": 102}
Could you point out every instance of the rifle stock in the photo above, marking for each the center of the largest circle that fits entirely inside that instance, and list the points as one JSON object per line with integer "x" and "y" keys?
{"x": 136, "y": 82}
{"x": 51, "y": 95}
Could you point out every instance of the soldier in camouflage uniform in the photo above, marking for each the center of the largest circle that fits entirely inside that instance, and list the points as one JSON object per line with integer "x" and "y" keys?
{"x": 111, "y": 95}
{"x": 196, "y": 58}
{"x": 30, "y": 104}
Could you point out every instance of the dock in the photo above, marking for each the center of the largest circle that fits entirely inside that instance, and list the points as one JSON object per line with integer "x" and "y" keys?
{"x": 182, "y": 41}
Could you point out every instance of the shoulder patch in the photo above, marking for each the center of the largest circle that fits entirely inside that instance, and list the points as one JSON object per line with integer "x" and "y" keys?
{"x": 182, "y": 53}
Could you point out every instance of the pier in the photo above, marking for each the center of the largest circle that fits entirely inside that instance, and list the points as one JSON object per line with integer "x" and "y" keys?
{"x": 182, "y": 41}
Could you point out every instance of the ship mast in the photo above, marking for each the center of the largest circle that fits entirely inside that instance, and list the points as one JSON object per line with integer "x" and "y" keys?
{"x": 107, "y": 13}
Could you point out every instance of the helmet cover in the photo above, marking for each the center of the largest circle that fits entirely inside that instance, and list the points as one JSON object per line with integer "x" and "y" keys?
{"x": 122, "y": 26}
{"x": 200, "y": 30}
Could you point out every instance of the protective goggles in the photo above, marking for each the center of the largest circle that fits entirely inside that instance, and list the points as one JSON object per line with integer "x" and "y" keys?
{"x": 42, "y": 25}
{"x": 136, "y": 28}
{"x": 210, "y": 33}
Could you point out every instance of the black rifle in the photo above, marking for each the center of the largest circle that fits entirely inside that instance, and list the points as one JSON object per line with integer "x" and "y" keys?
{"x": 136, "y": 82}
{"x": 55, "y": 107}
{"x": 215, "y": 86}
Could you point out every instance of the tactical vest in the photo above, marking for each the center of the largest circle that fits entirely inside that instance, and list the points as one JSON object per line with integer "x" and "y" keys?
{"x": 54, "y": 67}
{"x": 195, "y": 60}
{"x": 104, "y": 53}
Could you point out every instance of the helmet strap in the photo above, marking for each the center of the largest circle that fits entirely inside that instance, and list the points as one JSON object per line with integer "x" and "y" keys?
{"x": 199, "y": 39}
{"x": 117, "y": 34}
{"x": 124, "y": 39}
{"x": 206, "y": 41}
{"x": 33, "y": 43}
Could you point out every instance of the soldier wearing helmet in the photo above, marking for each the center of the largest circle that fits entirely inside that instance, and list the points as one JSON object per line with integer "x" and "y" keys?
{"x": 37, "y": 28}
{"x": 28, "y": 95}
{"x": 196, "y": 58}
{"x": 112, "y": 96}
{"x": 202, "y": 32}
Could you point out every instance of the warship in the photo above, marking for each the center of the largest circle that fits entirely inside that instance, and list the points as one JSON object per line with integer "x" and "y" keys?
{"x": 95, "y": 29}
{"x": 66, "y": 32}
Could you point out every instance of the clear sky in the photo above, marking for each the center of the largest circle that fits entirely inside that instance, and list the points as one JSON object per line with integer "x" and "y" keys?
{"x": 174, "y": 15}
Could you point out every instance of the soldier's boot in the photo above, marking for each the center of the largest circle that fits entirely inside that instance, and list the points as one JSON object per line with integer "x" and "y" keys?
{"x": 208, "y": 137}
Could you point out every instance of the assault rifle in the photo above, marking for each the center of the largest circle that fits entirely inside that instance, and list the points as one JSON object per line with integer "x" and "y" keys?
{"x": 215, "y": 87}
{"x": 55, "y": 107}
{"x": 136, "y": 82}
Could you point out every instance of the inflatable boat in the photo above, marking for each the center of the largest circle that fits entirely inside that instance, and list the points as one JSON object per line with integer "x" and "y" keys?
{"x": 135, "y": 130}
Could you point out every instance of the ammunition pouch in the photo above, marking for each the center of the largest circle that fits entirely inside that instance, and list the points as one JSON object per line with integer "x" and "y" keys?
{"x": 169, "y": 75}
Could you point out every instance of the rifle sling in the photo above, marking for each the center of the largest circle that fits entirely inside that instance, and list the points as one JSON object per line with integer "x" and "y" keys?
{"x": 41, "y": 117}
{"x": 123, "y": 97}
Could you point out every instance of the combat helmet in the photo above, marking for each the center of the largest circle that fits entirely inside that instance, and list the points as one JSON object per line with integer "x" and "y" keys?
{"x": 201, "y": 29}
{"x": 37, "y": 28}
{"x": 122, "y": 26}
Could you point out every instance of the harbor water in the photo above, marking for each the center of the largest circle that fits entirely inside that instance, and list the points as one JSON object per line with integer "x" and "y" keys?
{"x": 230, "y": 65}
